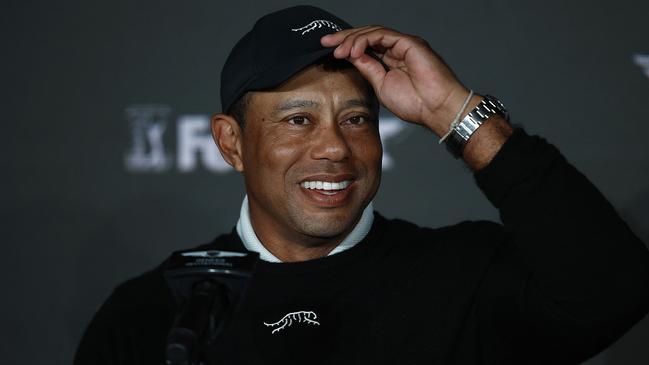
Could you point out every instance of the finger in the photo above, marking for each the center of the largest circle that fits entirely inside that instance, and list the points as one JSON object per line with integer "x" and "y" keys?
{"x": 396, "y": 46}
{"x": 344, "y": 48}
{"x": 363, "y": 43}
{"x": 371, "y": 69}
{"x": 381, "y": 39}
{"x": 334, "y": 39}
{"x": 391, "y": 61}
{"x": 359, "y": 43}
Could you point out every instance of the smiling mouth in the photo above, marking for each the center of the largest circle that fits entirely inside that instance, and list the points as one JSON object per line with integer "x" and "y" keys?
{"x": 326, "y": 187}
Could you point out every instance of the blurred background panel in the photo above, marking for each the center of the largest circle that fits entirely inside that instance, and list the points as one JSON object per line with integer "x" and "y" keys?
{"x": 108, "y": 164}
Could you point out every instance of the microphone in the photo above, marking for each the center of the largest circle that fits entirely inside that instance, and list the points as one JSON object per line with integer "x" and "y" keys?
{"x": 207, "y": 287}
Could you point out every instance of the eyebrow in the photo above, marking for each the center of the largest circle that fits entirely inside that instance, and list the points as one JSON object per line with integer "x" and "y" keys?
{"x": 295, "y": 104}
{"x": 301, "y": 103}
{"x": 358, "y": 102}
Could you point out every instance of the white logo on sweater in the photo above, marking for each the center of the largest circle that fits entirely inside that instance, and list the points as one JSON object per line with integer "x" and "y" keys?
{"x": 317, "y": 24}
{"x": 308, "y": 317}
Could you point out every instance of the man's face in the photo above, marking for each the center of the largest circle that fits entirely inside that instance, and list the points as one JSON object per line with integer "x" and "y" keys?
{"x": 311, "y": 154}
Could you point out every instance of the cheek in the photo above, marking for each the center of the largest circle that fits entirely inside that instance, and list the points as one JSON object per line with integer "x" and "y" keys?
{"x": 275, "y": 158}
{"x": 368, "y": 149}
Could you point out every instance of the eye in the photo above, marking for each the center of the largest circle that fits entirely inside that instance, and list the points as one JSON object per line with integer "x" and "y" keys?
{"x": 298, "y": 120}
{"x": 356, "y": 120}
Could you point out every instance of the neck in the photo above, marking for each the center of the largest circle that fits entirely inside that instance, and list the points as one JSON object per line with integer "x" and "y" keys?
{"x": 276, "y": 244}
{"x": 291, "y": 246}
{"x": 287, "y": 250}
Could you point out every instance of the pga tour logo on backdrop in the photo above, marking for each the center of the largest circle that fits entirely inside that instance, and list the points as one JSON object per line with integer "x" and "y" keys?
{"x": 150, "y": 151}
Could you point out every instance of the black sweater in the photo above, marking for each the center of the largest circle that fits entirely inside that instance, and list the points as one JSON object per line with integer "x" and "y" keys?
{"x": 557, "y": 282}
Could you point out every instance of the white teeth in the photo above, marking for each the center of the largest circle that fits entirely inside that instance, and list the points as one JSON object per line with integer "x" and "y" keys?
{"x": 326, "y": 185}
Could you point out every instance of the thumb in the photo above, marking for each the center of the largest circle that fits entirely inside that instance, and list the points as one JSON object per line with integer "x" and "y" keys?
{"x": 371, "y": 69}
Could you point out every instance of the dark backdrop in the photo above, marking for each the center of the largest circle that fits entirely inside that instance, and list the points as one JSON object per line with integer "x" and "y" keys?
{"x": 107, "y": 164}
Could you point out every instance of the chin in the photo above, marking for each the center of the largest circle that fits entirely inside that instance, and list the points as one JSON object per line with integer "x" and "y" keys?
{"x": 325, "y": 227}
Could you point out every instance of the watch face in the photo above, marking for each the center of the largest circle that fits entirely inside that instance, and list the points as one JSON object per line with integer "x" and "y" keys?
{"x": 498, "y": 105}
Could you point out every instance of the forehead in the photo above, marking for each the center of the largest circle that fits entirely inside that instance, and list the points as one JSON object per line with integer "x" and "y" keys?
{"x": 319, "y": 86}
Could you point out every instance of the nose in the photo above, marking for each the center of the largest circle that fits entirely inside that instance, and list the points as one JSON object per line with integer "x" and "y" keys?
{"x": 330, "y": 144}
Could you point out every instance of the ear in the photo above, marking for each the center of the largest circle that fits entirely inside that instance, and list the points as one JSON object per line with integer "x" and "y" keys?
{"x": 227, "y": 136}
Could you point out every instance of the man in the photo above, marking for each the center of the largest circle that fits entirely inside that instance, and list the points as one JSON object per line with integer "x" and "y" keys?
{"x": 560, "y": 280}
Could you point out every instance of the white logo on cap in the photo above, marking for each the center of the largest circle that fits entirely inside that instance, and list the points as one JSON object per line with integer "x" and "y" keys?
{"x": 317, "y": 24}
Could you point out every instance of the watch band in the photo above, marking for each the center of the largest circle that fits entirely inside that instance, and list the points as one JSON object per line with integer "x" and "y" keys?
{"x": 461, "y": 133}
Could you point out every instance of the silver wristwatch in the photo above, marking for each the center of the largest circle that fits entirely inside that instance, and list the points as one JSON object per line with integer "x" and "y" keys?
{"x": 461, "y": 133}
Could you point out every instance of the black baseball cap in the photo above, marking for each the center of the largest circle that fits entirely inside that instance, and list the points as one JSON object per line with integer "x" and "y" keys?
{"x": 279, "y": 45}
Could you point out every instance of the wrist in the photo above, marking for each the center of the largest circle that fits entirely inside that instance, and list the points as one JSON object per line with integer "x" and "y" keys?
{"x": 486, "y": 142}
{"x": 463, "y": 130}
{"x": 440, "y": 120}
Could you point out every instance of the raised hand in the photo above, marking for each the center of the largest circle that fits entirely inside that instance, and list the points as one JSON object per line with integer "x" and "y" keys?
{"x": 417, "y": 86}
